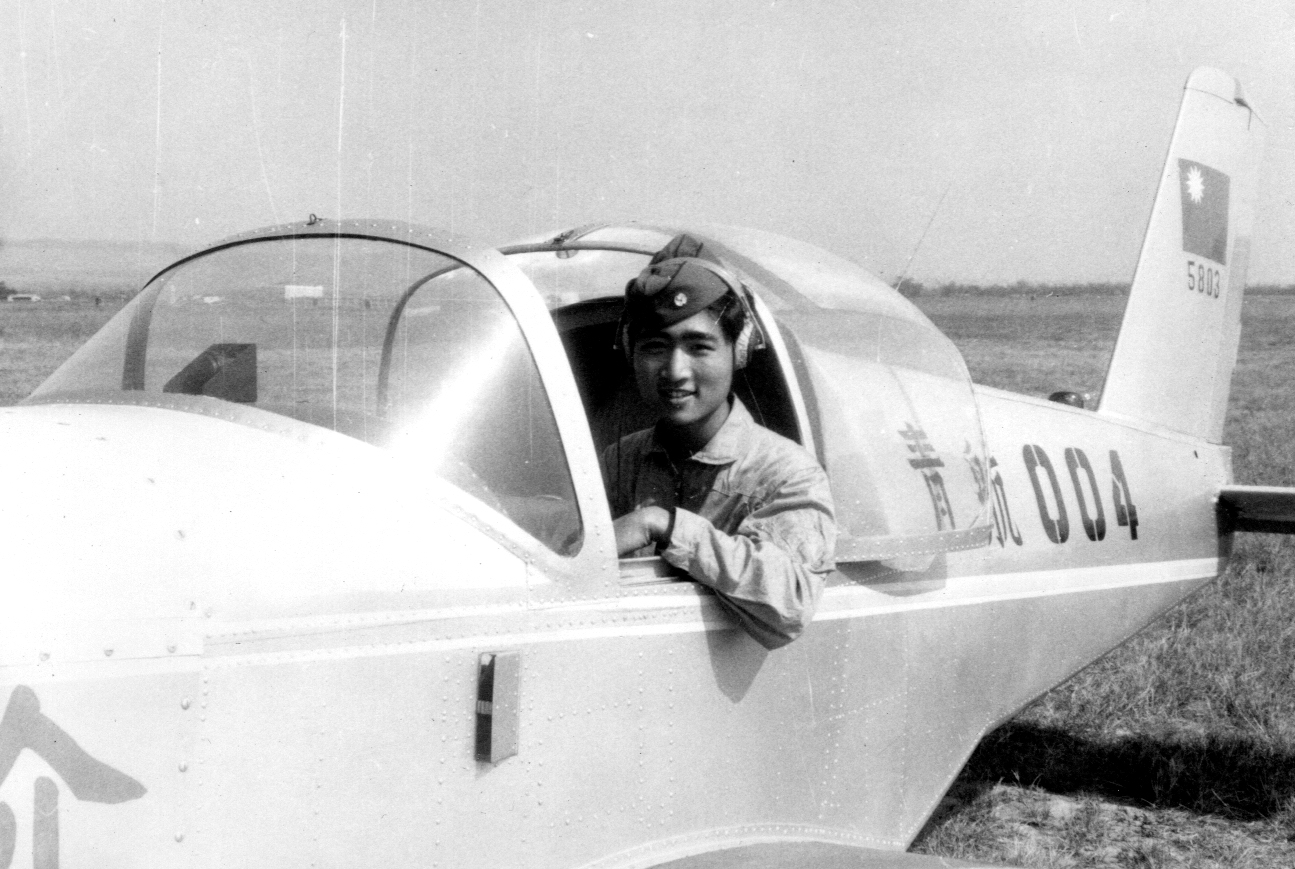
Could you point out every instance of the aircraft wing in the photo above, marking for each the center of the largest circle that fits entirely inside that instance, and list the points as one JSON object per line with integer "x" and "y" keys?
{"x": 780, "y": 855}
{"x": 1269, "y": 509}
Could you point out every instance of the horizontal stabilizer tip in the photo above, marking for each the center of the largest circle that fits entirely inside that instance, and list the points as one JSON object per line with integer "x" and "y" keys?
{"x": 1269, "y": 509}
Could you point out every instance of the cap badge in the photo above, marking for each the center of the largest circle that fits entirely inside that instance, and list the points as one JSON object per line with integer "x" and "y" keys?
{"x": 680, "y": 299}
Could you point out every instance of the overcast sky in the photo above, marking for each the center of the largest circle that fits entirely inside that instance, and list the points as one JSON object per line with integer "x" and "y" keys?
{"x": 840, "y": 123}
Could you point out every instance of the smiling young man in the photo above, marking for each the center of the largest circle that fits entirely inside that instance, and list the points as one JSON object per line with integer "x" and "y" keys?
{"x": 741, "y": 509}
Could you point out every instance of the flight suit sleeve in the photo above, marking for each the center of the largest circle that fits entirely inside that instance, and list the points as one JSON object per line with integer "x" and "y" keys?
{"x": 770, "y": 571}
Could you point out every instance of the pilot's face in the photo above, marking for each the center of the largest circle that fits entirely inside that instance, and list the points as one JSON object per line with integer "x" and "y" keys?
{"x": 685, "y": 372}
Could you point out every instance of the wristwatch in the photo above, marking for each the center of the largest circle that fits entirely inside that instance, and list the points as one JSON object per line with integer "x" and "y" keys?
{"x": 664, "y": 543}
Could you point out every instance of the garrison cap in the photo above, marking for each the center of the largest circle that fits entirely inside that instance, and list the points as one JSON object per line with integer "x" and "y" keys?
{"x": 683, "y": 245}
{"x": 681, "y": 280}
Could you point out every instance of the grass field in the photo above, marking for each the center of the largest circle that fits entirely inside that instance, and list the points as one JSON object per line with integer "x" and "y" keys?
{"x": 1178, "y": 749}
{"x": 35, "y": 338}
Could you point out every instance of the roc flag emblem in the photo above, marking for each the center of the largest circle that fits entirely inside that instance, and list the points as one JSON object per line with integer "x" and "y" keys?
{"x": 1204, "y": 194}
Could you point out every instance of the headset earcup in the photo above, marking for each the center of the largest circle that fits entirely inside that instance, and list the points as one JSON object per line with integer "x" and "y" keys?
{"x": 742, "y": 346}
{"x": 623, "y": 339}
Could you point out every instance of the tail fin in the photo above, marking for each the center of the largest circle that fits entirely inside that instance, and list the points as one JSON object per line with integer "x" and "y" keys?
{"x": 1173, "y": 361}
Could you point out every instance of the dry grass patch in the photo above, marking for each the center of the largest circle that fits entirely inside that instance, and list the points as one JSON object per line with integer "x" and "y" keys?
{"x": 1029, "y": 826}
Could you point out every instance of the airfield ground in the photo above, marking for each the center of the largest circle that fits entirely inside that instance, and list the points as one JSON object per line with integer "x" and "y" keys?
{"x": 1178, "y": 749}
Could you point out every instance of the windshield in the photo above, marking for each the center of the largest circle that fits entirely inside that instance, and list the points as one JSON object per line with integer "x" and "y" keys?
{"x": 569, "y": 276}
{"x": 395, "y": 345}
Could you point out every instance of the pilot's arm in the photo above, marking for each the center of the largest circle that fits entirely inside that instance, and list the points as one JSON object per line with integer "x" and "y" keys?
{"x": 769, "y": 571}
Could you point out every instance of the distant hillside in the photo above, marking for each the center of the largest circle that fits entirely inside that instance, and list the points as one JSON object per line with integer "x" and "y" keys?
{"x": 49, "y": 266}
{"x": 915, "y": 289}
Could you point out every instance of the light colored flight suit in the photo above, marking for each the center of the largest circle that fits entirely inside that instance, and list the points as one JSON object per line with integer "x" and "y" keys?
{"x": 753, "y": 519}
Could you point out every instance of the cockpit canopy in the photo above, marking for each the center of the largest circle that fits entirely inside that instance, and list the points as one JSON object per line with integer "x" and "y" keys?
{"x": 395, "y": 336}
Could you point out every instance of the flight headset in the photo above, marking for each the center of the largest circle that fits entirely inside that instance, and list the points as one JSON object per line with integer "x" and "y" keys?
{"x": 748, "y": 340}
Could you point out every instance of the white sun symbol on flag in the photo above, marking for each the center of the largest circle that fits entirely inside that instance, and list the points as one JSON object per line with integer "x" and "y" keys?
{"x": 1195, "y": 185}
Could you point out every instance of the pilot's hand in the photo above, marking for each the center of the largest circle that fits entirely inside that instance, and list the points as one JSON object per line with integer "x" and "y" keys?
{"x": 643, "y": 527}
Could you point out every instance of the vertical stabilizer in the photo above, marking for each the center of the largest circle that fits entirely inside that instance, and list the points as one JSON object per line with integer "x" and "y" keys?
{"x": 1172, "y": 364}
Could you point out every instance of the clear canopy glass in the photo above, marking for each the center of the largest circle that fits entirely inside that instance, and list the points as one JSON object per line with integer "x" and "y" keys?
{"x": 393, "y": 344}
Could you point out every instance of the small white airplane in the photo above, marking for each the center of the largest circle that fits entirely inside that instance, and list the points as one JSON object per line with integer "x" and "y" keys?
{"x": 323, "y": 574}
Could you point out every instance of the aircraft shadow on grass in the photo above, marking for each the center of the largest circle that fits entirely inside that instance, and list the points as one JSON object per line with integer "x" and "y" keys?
{"x": 1235, "y": 776}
